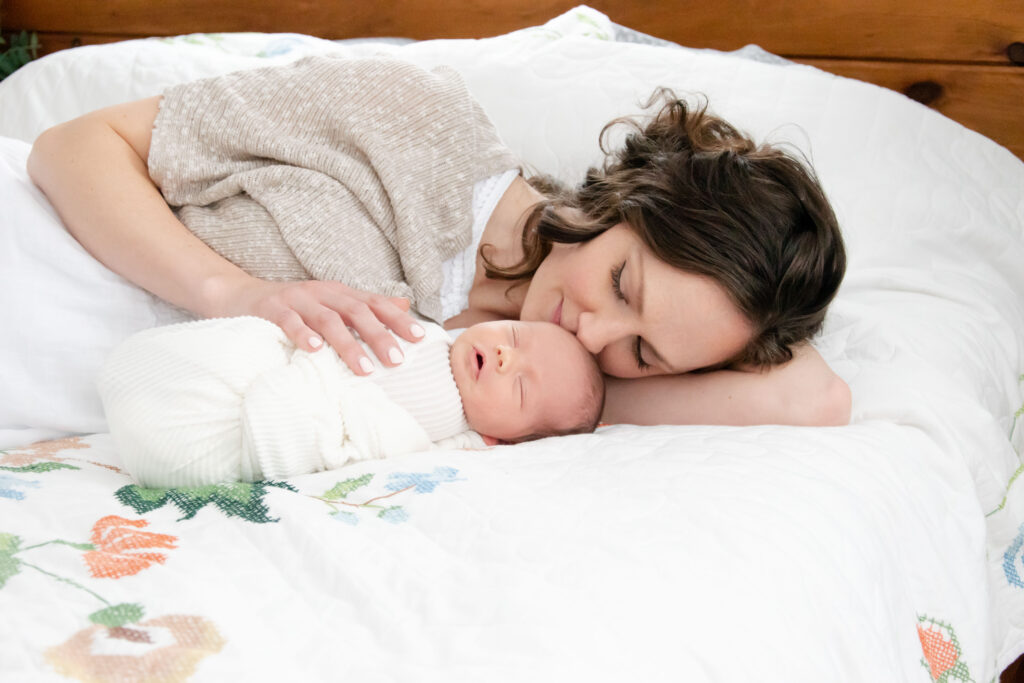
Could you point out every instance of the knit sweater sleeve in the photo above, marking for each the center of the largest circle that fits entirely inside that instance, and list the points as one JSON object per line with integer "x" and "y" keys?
{"x": 355, "y": 170}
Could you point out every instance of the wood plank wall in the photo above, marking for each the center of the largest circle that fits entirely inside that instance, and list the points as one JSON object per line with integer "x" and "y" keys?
{"x": 965, "y": 58}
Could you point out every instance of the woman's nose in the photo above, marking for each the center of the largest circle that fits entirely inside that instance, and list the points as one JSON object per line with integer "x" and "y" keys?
{"x": 507, "y": 358}
{"x": 596, "y": 331}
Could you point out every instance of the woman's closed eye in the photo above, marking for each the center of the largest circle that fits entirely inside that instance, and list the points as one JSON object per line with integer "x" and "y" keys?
{"x": 617, "y": 281}
{"x": 637, "y": 341}
{"x": 638, "y": 353}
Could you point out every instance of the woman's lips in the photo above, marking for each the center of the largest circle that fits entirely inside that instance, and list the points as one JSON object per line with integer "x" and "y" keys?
{"x": 556, "y": 317}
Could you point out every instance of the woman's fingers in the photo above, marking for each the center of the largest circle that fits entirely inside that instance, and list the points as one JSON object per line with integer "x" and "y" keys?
{"x": 300, "y": 334}
{"x": 313, "y": 313}
{"x": 400, "y": 301}
{"x": 394, "y": 312}
{"x": 340, "y": 337}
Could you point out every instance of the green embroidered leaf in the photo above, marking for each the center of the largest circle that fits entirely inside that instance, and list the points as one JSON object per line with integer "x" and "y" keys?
{"x": 241, "y": 499}
{"x": 9, "y": 566}
{"x": 117, "y": 615}
{"x": 80, "y": 546}
{"x": 140, "y": 499}
{"x": 41, "y": 467}
{"x": 395, "y": 514}
{"x": 343, "y": 488}
{"x": 237, "y": 492}
{"x": 9, "y": 543}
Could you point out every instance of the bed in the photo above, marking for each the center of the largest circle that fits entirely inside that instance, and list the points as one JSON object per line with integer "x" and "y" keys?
{"x": 891, "y": 549}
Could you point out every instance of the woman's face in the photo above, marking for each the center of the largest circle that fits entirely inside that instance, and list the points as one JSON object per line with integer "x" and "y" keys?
{"x": 637, "y": 314}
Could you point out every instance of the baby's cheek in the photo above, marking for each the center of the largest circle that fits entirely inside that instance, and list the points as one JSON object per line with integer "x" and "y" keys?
{"x": 492, "y": 417}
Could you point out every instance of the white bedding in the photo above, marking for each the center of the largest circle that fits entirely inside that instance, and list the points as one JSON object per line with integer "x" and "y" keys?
{"x": 888, "y": 550}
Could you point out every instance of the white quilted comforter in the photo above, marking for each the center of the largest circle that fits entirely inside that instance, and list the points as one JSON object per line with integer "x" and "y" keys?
{"x": 888, "y": 550}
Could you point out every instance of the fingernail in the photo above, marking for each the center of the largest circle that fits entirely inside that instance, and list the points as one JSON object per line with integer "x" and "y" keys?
{"x": 366, "y": 364}
{"x": 417, "y": 331}
{"x": 316, "y": 342}
{"x": 395, "y": 355}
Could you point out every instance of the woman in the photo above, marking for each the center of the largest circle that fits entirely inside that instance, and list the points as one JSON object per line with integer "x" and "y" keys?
{"x": 688, "y": 265}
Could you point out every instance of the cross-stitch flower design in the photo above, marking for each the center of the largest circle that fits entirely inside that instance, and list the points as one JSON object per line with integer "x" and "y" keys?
{"x": 397, "y": 484}
{"x": 116, "y": 539}
{"x": 43, "y": 450}
{"x": 421, "y": 482}
{"x": 942, "y": 655}
{"x": 166, "y": 648}
{"x": 1013, "y": 558}
{"x": 12, "y": 487}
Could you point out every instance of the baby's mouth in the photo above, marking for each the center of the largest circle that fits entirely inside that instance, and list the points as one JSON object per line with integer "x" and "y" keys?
{"x": 479, "y": 359}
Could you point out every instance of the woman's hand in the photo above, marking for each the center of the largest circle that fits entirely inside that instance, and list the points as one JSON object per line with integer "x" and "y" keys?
{"x": 313, "y": 311}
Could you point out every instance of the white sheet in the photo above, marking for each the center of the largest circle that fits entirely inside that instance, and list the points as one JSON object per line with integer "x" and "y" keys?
{"x": 699, "y": 553}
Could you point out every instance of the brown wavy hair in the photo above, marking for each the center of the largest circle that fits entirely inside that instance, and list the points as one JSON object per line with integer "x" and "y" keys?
{"x": 706, "y": 199}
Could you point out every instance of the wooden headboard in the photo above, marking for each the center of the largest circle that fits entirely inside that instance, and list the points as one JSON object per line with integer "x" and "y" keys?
{"x": 965, "y": 58}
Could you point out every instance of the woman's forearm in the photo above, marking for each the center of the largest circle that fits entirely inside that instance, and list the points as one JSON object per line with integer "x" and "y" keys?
{"x": 93, "y": 170}
{"x": 804, "y": 391}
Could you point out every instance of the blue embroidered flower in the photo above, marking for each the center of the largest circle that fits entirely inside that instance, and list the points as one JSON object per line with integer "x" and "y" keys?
{"x": 280, "y": 46}
{"x": 346, "y": 517}
{"x": 395, "y": 515}
{"x": 9, "y": 486}
{"x": 1012, "y": 557}
{"x": 425, "y": 482}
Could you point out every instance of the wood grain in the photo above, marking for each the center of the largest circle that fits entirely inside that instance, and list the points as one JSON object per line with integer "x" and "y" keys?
{"x": 951, "y": 30}
{"x": 955, "y": 50}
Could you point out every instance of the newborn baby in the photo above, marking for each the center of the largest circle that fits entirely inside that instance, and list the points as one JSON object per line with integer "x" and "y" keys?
{"x": 232, "y": 399}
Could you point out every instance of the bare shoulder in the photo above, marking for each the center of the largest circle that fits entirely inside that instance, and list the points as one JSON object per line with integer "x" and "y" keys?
{"x": 132, "y": 121}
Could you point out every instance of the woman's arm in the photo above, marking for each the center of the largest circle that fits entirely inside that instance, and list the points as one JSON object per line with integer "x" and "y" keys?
{"x": 804, "y": 391}
{"x": 93, "y": 170}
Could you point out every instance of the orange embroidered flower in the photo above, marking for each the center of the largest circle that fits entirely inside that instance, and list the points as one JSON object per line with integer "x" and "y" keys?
{"x": 940, "y": 651}
{"x": 42, "y": 450}
{"x": 115, "y": 539}
{"x": 167, "y": 648}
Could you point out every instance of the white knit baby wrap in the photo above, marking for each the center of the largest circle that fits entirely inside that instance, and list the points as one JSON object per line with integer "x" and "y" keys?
{"x": 232, "y": 399}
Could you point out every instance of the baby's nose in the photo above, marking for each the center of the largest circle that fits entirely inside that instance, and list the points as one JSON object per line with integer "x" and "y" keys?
{"x": 506, "y": 358}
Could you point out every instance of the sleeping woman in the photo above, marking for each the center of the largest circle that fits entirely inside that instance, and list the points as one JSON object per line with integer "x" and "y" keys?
{"x": 327, "y": 195}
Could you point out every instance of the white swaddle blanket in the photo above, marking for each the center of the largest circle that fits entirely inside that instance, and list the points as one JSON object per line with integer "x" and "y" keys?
{"x": 232, "y": 399}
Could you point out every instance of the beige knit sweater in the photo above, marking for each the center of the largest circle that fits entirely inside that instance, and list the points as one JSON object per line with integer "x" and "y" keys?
{"x": 335, "y": 169}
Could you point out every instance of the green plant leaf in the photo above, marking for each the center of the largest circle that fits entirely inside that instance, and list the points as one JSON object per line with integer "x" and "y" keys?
{"x": 117, "y": 615}
{"x": 343, "y": 488}
{"x": 24, "y": 48}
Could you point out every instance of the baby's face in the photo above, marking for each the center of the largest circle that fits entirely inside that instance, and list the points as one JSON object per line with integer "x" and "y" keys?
{"x": 518, "y": 378}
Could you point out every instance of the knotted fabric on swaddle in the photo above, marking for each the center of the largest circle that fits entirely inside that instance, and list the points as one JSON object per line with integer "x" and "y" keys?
{"x": 232, "y": 399}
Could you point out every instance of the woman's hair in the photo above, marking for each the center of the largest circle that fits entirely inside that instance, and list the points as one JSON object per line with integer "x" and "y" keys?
{"x": 707, "y": 200}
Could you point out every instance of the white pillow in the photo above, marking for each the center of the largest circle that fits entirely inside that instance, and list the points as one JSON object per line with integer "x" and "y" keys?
{"x": 62, "y": 313}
